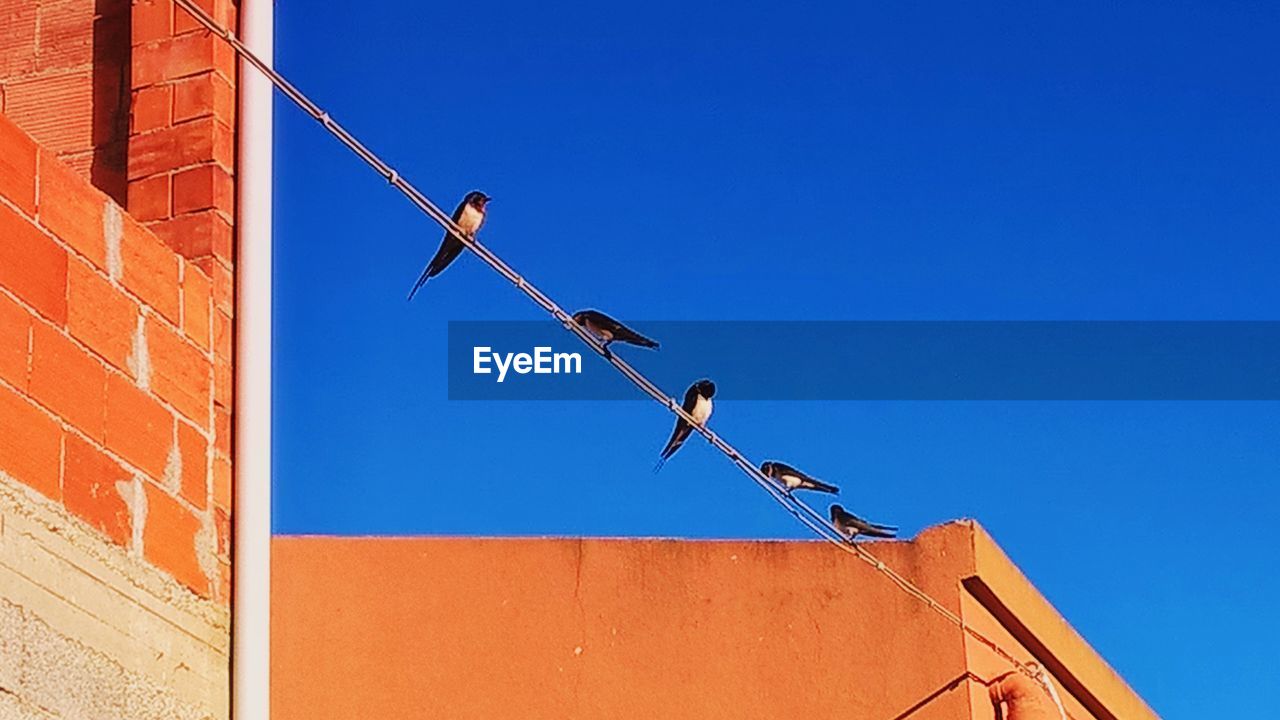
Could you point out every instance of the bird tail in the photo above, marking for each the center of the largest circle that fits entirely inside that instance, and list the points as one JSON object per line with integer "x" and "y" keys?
{"x": 881, "y": 531}
{"x": 645, "y": 342}
{"x": 661, "y": 461}
{"x": 422, "y": 280}
{"x": 823, "y": 487}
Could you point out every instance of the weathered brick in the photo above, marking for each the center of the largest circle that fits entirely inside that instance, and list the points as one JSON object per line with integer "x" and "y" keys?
{"x": 183, "y": 145}
{"x": 152, "y": 20}
{"x": 222, "y": 430}
{"x": 139, "y": 429}
{"x": 149, "y": 198}
{"x": 223, "y": 284}
{"x": 67, "y": 380}
{"x": 221, "y": 482}
{"x": 197, "y": 299}
{"x": 204, "y": 95}
{"x": 89, "y": 480}
{"x": 173, "y": 58}
{"x": 151, "y": 108}
{"x": 18, "y": 41}
{"x": 195, "y": 465}
{"x": 33, "y": 266}
{"x": 72, "y": 209}
{"x": 179, "y": 372}
{"x": 99, "y": 315}
{"x": 169, "y": 539}
{"x": 196, "y": 235}
{"x": 222, "y": 523}
{"x": 15, "y": 336}
{"x": 17, "y": 167}
{"x": 66, "y": 34}
{"x": 30, "y": 444}
{"x": 220, "y": 10}
{"x": 223, "y": 385}
{"x": 150, "y": 269}
{"x": 201, "y": 188}
{"x": 57, "y": 109}
{"x": 224, "y": 581}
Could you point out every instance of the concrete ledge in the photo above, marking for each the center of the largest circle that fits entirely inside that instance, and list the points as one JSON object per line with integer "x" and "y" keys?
{"x": 86, "y": 630}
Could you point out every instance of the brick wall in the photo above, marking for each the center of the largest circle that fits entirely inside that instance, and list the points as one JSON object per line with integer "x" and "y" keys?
{"x": 64, "y": 78}
{"x": 108, "y": 384}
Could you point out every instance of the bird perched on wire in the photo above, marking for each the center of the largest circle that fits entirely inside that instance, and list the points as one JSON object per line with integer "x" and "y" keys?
{"x": 851, "y": 525}
{"x": 697, "y": 402}
{"x": 468, "y": 217}
{"x": 792, "y": 479}
{"x": 609, "y": 330}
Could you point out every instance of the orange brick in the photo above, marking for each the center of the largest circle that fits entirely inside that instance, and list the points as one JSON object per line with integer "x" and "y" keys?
{"x": 169, "y": 539}
{"x": 139, "y": 429}
{"x": 195, "y": 465}
{"x": 72, "y": 209}
{"x": 223, "y": 336}
{"x": 201, "y": 188}
{"x": 67, "y": 380}
{"x": 15, "y": 336}
{"x": 17, "y": 167}
{"x": 149, "y": 198}
{"x": 224, "y": 582}
{"x": 204, "y": 95}
{"x": 173, "y": 58}
{"x": 197, "y": 298}
{"x": 30, "y": 444}
{"x": 66, "y": 34}
{"x": 150, "y": 269}
{"x": 223, "y": 387}
{"x": 219, "y": 10}
{"x": 151, "y": 108}
{"x": 224, "y": 287}
{"x": 57, "y": 108}
{"x": 222, "y": 523}
{"x": 179, "y": 372}
{"x": 99, "y": 315}
{"x": 174, "y": 147}
{"x": 152, "y": 20}
{"x": 89, "y": 489}
{"x": 221, "y": 482}
{"x": 18, "y": 41}
{"x": 33, "y": 266}
{"x": 222, "y": 429}
{"x": 197, "y": 234}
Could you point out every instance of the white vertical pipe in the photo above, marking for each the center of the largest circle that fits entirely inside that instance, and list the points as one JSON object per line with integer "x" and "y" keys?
{"x": 251, "y": 606}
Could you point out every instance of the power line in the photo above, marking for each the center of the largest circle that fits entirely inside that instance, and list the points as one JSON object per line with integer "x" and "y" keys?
{"x": 798, "y": 508}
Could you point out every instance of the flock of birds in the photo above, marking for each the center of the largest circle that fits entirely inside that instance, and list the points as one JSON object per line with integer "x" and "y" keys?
{"x": 470, "y": 215}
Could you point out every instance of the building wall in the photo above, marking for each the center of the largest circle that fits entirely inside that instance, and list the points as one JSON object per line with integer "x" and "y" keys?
{"x": 116, "y": 347}
{"x": 596, "y": 628}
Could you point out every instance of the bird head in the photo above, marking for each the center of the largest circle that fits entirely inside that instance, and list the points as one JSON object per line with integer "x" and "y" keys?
{"x": 836, "y": 512}
{"x": 768, "y": 468}
{"x": 705, "y": 388}
{"x": 477, "y": 199}
{"x": 580, "y": 317}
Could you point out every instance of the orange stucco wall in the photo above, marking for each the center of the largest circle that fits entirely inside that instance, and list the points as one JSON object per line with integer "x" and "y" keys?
{"x": 597, "y": 628}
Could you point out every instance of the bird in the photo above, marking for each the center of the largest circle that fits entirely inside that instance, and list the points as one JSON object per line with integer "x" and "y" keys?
{"x": 851, "y": 525}
{"x": 793, "y": 479}
{"x": 609, "y": 330}
{"x": 697, "y": 402}
{"x": 468, "y": 217}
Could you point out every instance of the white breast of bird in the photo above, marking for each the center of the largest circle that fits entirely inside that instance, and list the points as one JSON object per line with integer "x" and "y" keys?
{"x": 701, "y": 410}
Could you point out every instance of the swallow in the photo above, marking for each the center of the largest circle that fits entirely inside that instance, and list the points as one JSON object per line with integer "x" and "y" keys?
{"x": 468, "y": 217}
{"x": 851, "y": 525}
{"x": 697, "y": 403}
{"x": 793, "y": 479}
{"x": 609, "y": 330}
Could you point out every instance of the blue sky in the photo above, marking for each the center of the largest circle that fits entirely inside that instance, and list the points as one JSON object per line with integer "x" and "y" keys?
{"x": 775, "y": 161}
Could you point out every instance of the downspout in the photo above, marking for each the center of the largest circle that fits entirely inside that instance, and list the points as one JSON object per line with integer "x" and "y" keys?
{"x": 251, "y": 606}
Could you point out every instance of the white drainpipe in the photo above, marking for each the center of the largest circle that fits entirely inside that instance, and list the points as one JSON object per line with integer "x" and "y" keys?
{"x": 251, "y": 605}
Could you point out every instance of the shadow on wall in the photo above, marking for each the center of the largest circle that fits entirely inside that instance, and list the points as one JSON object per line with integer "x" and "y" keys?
{"x": 112, "y": 72}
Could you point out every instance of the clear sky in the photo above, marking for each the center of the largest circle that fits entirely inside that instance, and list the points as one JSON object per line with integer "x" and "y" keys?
{"x": 775, "y": 161}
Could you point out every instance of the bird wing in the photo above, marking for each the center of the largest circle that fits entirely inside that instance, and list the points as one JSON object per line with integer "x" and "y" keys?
{"x": 627, "y": 335}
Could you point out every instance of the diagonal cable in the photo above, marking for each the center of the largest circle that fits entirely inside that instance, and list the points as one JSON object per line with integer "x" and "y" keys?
{"x": 805, "y": 514}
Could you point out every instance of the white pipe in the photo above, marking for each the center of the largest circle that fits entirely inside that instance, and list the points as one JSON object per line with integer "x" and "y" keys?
{"x": 251, "y": 606}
